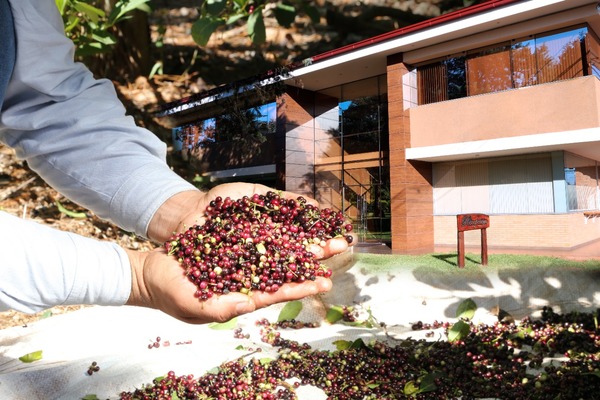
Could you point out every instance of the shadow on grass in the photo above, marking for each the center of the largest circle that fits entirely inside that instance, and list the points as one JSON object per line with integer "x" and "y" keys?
{"x": 452, "y": 258}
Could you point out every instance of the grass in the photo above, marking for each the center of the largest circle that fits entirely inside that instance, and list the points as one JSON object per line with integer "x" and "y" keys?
{"x": 448, "y": 262}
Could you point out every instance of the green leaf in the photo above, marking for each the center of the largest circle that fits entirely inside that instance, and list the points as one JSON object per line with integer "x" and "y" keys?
{"x": 231, "y": 324}
{"x": 215, "y": 7}
{"x": 285, "y": 15}
{"x": 256, "y": 26}
{"x": 203, "y": 28}
{"x": 466, "y": 309}
{"x": 157, "y": 68}
{"x": 358, "y": 344}
{"x": 348, "y": 345}
{"x": 124, "y": 7}
{"x": 458, "y": 331}
{"x": 313, "y": 13}
{"x": 334, "y": 314}
{"x": 104, "y": 38}
{"x": 239, "y": 3}
{"x": 235, "y": 17}
{"x": 73, "y": 21}
{"x": 521, "y": 333}
{"x": 290, "y": 311}
{"x": 91, "y": 12}
{"x": 410, "y": 389}
{"x": 265, "y": 361}
{"x": 31, "y": 357}
{"x": 90, "y": 397}
{"x": 72, "y": 214}
{"x": 428, "y": 381}
{"x": 60, "y": 4}
{"x": 342, "y": 344}
{"x": 213, "y": 371}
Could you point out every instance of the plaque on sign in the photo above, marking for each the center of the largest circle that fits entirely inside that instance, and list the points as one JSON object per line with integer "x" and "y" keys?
{"x": 469, "y": 222}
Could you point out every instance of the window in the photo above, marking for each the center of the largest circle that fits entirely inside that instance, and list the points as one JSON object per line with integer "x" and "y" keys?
{"x": 524, "y": 62}
{"x": 509, "y": 185}
{"x": 194, "y": 135}
{"x": 489, "y": 70}
{"x": 581, "y": 178}
{"x": 247, "y": 124}
{"x": 238, "y": 125}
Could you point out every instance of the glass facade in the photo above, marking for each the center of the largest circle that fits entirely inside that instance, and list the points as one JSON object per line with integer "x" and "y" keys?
{"x": 352, "y": 172}
{"x": 522, "y": 62}
{"x": 222, "y": 148}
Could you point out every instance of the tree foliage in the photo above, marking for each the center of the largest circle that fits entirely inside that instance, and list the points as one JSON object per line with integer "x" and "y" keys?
{"x": 91, "y": 27}
{"x": 217, "y": 13}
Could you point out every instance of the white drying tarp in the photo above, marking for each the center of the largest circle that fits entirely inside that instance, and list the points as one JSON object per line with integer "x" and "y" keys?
{"x": 117, "y": 338}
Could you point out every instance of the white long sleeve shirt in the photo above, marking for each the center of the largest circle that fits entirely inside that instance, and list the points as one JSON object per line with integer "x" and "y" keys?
{"x": 73, "y": 131}
{"x": 43, "y": 267}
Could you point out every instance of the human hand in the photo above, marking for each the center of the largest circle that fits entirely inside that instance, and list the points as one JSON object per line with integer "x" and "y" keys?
{"x": 187, "y": 208}
{"x": 159, "y": 282}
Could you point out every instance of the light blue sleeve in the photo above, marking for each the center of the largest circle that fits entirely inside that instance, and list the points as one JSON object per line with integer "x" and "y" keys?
{"x": 44, "y": 267}
{"x": 73, "y": 131}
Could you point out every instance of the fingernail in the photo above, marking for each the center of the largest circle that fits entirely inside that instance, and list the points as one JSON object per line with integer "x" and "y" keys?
{"x": 317, "y": 250}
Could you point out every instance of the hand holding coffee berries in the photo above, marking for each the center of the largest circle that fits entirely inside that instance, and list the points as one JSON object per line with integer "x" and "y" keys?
{"x": 256, "y": 243}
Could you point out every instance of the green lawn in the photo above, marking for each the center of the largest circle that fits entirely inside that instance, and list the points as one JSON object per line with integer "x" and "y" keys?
{"x": 447, "y": 262}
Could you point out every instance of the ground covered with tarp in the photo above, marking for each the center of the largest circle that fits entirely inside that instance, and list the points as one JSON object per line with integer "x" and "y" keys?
{"x": 386, "y": 330}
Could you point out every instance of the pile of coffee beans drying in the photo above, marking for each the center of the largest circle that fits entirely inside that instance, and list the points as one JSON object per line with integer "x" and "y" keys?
{"x": 255, "y": 243}
{"x": 555, "y": 357}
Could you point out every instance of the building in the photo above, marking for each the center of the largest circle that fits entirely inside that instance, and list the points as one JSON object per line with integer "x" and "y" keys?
{"x": 493, "y": 109}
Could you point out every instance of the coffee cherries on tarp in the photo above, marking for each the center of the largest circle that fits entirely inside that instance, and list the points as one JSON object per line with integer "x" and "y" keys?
{"x": 255, "y": 243}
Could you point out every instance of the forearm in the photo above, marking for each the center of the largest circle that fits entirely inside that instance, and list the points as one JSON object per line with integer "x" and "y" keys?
{"x": 43, "y": 267}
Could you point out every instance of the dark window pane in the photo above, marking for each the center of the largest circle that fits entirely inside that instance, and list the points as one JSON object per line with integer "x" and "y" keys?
{"x": 457, "y": 77}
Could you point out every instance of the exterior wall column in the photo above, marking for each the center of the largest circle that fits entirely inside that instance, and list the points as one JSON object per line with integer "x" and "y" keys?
{"x": 411, "y": 186}
{"x": 296, "y": 133}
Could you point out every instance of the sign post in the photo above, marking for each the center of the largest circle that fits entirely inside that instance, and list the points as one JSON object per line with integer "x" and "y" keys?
{"x": 469, "y": 222}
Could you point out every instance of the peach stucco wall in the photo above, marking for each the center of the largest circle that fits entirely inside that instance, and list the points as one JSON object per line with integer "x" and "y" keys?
{"x": 552, "y": 107}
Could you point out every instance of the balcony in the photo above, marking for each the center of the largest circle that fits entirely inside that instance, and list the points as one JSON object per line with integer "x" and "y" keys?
{"x": 563, "y": 115}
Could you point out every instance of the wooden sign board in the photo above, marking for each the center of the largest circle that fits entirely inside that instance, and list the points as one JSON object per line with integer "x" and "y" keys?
{"x": 469, "y": 222}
